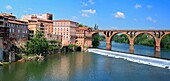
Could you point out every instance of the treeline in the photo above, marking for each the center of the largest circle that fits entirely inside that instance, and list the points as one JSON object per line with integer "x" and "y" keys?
{"x": 142, "y": 39}
{"x": 165, "y": 42}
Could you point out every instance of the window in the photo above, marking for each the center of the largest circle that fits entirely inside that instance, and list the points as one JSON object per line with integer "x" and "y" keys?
{"x": 10, "y": 30}
{"x": 13, "y": 30}
{"x": 23, "y": 31}
{"x": 22, "y": 35}
{"x": 18, "y": 30}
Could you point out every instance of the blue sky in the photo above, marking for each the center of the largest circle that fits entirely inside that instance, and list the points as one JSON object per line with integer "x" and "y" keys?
{"x": 107, "y": 14}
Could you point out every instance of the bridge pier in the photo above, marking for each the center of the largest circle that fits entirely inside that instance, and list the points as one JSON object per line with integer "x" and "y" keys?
{"x": 157, "y": 54}
{"x": 157, "y": 51}
{"x": 131, "y": 48}
{"x": 108, "y": 46}
{"x": 157, "y": 48}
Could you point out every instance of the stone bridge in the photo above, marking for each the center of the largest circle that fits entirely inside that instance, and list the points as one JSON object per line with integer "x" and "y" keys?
{"x": 132, "y": 34}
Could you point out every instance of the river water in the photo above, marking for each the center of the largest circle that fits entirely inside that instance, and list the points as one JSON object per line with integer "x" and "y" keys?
{"x": 138, "y": 49}
{"x": 82, "y": 67}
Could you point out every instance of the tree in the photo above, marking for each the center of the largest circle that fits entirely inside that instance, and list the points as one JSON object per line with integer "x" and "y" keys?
{"x": 165, "y": 42}
{"x": 95, "y": 27}
{"x": 121, "y": 38}
{"x": 54, "y": 44}
{"x": 37, "y": 45}
{"x": 102, "y": 38}
{"x": 96, "y": 40}
{"x": 80, "y": 25}
{"x": 72, "y": 47}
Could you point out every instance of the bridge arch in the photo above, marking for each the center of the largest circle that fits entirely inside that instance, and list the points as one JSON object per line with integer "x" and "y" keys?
{"x": 163, "y": 37}
{"x": 168, "y": 33}
{"x": 149, "y": 33}
{"x": 93, "y": 34}
{"x": 122, "y": 34}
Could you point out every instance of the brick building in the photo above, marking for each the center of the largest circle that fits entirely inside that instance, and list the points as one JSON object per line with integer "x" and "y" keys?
{"x": 83, "y": 37}
{"x": 41, "y": 22}
{"x": 67, "y": 29}
{"x": 11, "y": 31}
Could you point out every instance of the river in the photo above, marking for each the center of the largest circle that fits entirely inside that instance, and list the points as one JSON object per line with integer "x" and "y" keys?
{"x": 82, "y": 67}
{"x": 138, "y": 49}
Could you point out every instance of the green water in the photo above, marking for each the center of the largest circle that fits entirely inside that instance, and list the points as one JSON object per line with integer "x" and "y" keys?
{"x": 82, "y": 67}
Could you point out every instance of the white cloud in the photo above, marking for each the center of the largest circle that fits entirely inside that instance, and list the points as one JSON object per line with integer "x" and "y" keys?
{"x": 74, "y": 17}
{"x": 90, "y": 11}
{"x": 8, "y": 7}
{"x": 84, "y": 4}
{"x": 91, "y": 2}
{"x": 138, "y": 6}
{"x": 119, "y": 15}
{"x": 151, "y": 19}
{"x": 84, "y": 15}
{"x": 149, "y": 6}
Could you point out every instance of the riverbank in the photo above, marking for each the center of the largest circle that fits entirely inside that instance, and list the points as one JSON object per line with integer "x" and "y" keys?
{"x": 134, "y": 58}
{"x": 30, "y": 58}
{"x": 4, "y": 63}
{"x": 24, "y": 58}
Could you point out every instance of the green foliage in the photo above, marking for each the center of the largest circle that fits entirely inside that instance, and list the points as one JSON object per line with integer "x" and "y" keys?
{"x": 96, "y": 40}
{"x": 121, "y": 38}
{"x": 52, "y": 47}
{"x": 54, "y": 44}
{"x": 72, "y": 47}
{"x": 165, "y": 42}
{"x": 80, "y": 25}
{"x": 102, "y": 38}
{"x": 37, "y": 45}
{"x": 144, "y": 39}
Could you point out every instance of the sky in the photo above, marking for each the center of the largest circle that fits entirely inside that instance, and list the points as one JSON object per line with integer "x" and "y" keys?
{"x": 107, "y": 14}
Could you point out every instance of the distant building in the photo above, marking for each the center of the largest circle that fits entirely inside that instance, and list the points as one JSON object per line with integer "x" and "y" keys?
{"x": 45, "y": 16}
{"x": 83, "y": 37}
{"x": 67, "y": 29}
{"x": 18, "y": 29}
{"x": 41, "y": 22}
{"x": 11, "y": 31}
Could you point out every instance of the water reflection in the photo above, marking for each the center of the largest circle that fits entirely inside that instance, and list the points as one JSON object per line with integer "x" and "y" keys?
{"x": 138, "y": 49}
{"x": 82, "y": 67}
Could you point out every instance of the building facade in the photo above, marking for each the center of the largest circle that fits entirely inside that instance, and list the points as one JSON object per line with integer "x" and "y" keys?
{"x": 18, "y": 29}
{"x": 11, "y": 31}
{"x": 67, "y": 29}
{"x": 4, "y": 34}
{"x": 41, "y": 22}
{"x": 83, "y": 37}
